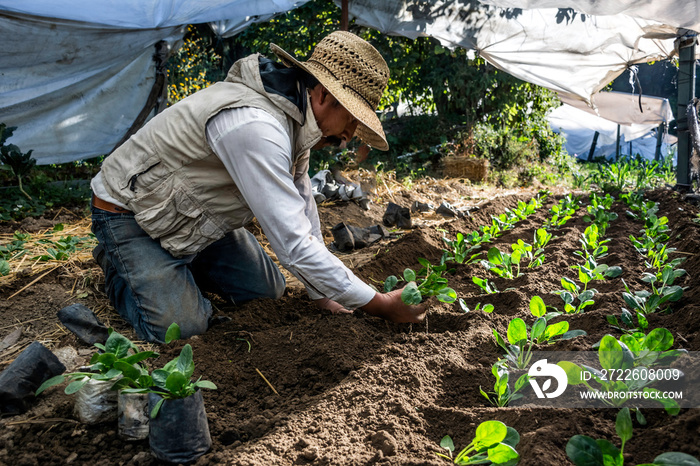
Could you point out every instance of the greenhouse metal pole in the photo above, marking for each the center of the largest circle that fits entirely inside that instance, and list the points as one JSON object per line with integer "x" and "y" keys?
{"x": 659, "y": 140}
{"x": 344, "y": 21}
{"x": 593, "y": 144}
{"x": 686, "y": 92}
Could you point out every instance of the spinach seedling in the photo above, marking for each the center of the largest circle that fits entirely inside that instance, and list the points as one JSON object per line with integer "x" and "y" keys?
{"x": 520, "y": 341}
{"x": 572, "y": 292}
{"x": 645, "y": 302}
{"x": 503, "y": 264}
{"x": 591, "y": 244}
{"x": 651, "y": 349}
{"x": 591, "y": 270}
{"x": 488, "y": 308}
{"x": 484, "y": 284}
{"x": 502, "y": 395}
{"x": 493, "y": 442}
{"x": 117, "y": 360}
{"x": 618, "y": 376}
{"x": 583, "y": 450}
{"x": 427, "y": 282}
{"x": 461, "y": 250}
{"x": 534, "y": 257}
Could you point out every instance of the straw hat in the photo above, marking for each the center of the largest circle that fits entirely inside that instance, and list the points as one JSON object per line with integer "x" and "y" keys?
{"x": 354, "y": 73}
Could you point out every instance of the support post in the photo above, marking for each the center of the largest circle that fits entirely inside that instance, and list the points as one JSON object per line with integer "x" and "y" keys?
{"x": 686, "y": 92}
{"x": 617, "y": 144}
{"x": 659, "y": 140}
{"x": 344, "y": 21}
{"x": 593, "y": 144}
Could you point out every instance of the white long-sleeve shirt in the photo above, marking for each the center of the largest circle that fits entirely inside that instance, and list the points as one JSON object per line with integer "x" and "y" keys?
{"x": 256, "y": 151}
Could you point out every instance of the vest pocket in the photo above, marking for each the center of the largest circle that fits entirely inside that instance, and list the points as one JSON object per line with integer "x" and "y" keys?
{"x": 180, "y": 223}
{"x": 169, "y": 216}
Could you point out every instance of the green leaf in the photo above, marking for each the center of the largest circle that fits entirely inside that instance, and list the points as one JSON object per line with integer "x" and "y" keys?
{"x": 538, "y": 328}
{"x": 670, "y": 405}
{"x": 488, "y": 308}
{"x": 494, "y": 256}
{"x": 205, "y": 384}
{"x": 612, "y": 456}
{"x": 517, "y": 331}
{"x": 554, "y": 330}
{"x": 489, "y": 433}
{"x": 141, "y": 356}
{"x": 409, "y": 275}
{"x": 173, "y": 333}
{"x": 117, "y": 344}
{"x": 76, "y": 385}
{"x": 390, "y": 283}
{"x": 50, "y": 383}
{"x": 159, "y": 377}
{"x": 185, "y": 362}
{"x": 447, "y": 443}
{"x": 613, "y": 272}
{"x": 128, "y": 370}
{"x": 610, "y": 353}
{"x": 572, "y": 334}
{"x": 176, "y": 382}
{"x": 674, "y": 458}
{"x": 537, "y": 307}
{"x": 623, "y": 426}
{"x": 156, "y": 408}
{"x": 573, "y": 372}
{"x": 659, "y": 339}
{"x": 502, "y": 453}
{"x": 447, "y": 295}
{"x": 584, "y": 451}
{"x": 512, "y": 437}
{"x": 411, "y": 295}
{"x": 4, "y": 268}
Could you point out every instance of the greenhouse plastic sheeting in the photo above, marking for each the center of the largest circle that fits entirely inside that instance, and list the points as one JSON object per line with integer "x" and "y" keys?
{"x": 75, "y": 74}
{"x": 578, "y": 126}
{"x": 148, "y": 14}
{"x": 573, "y": 54}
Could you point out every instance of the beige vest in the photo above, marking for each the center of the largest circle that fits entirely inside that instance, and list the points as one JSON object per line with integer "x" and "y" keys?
{"x": 170, "y": 178}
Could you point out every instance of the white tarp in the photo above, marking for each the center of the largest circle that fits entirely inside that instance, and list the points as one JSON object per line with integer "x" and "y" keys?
{"x": 75, "y": 74}
{"x": 573, "y": 54}
{"x": 676, "y": 13}
{"x": 624, "y": 108}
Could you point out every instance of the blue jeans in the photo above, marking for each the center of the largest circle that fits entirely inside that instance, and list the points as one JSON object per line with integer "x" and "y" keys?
{"x": 151, "y": 289}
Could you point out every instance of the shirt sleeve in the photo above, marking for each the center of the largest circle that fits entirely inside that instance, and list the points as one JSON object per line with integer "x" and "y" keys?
{"x": 303, "y": 184}
{"x": 257, "y": 153}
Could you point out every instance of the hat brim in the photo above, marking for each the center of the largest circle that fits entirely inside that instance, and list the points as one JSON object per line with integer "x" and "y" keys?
{"x": 369, "y": 128}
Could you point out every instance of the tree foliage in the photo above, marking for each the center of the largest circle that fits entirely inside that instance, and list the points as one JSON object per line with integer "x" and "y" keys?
{"x": 504, "y": 115}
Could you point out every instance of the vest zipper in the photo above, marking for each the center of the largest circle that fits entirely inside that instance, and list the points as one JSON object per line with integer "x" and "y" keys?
{"x": 132, "y": 180}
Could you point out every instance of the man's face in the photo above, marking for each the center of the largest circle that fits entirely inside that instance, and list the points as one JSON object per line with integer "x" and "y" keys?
{"x": 336, "y": 123}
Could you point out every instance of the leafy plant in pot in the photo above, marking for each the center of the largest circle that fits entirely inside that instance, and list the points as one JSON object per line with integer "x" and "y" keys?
{"x": 111, "y": 368}
{"x": 179, "y": 431}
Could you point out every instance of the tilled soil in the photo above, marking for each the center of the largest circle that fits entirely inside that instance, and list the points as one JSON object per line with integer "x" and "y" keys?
{"x": 352, "y": 389}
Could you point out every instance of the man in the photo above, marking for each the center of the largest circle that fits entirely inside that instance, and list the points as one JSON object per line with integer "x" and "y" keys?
{"x": 170, "y": 203}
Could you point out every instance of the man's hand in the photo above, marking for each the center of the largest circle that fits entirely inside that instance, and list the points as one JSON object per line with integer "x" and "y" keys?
{"x": 390, "y": 306}
{"x": 330, "y": 305}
